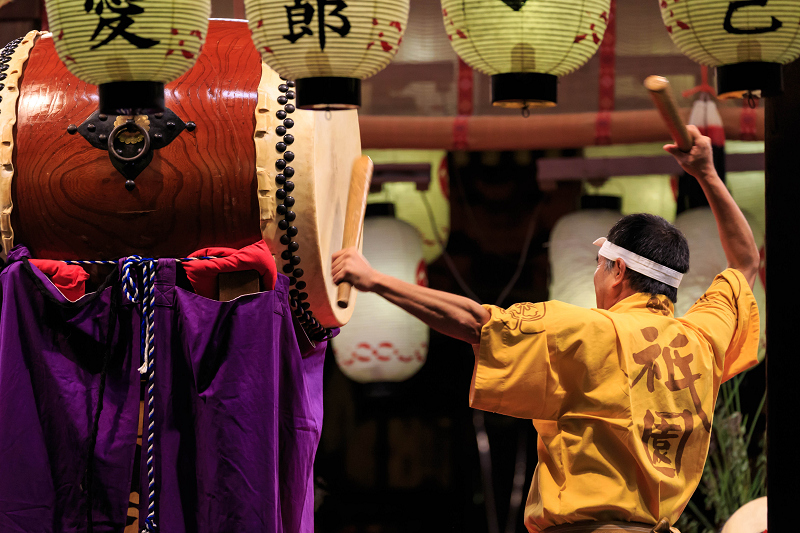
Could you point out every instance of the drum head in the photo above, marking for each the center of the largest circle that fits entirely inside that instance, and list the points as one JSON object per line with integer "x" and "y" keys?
{"x": 308, "y": 167}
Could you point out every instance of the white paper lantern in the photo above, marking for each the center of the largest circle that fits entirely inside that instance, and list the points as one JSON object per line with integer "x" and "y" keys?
{"x": 747, "y": 40}
{"x": 382, "y": 342}
{"x": 327, "y": 46}
{"x": 573, "y": 257}
{"x": 524, "y": 45}
{"x": 707, "y": 259}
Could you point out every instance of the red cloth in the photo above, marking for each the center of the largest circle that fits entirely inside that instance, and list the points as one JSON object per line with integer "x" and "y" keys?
{"x": 69, "y": 279}
{"x": 203, "y": 274}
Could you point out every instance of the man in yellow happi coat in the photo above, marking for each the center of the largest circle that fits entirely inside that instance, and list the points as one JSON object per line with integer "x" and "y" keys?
{"x": 622, "y": 396}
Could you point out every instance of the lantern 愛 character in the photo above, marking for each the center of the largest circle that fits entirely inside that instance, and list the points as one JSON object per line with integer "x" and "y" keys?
{"x": 130, "y": 49}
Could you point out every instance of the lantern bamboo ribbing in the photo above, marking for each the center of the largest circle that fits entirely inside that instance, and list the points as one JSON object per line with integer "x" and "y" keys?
{"x": 747, "y": 40}
{"x": 129, "y": 48}
{"x": 524, "y": 44}
{"x": 327, "y": 46}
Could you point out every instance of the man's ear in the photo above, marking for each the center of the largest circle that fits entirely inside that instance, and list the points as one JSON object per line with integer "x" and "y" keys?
{"x": 619, "y": 272}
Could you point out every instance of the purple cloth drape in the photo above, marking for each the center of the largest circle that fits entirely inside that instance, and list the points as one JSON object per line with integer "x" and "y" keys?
{"x": 238, "y": 408}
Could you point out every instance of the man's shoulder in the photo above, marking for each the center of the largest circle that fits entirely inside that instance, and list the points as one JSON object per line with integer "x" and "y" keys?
{"x": 552, "y": 315}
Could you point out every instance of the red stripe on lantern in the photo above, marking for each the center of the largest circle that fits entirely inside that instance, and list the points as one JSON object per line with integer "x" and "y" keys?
{"x": 466, "y": 89}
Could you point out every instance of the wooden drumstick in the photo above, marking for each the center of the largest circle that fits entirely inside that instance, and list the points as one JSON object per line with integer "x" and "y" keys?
{"x": 354, "y": 217}
{"x": 662, "y": 96}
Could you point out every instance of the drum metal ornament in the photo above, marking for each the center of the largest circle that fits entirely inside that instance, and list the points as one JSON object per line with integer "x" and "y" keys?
{"x": 327, "y": 46}
{"x": 215, "y": 187}
{"x": 747, "y": 40}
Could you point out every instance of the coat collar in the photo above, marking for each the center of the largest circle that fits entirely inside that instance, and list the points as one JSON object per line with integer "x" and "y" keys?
{"x": 641, "y": 302}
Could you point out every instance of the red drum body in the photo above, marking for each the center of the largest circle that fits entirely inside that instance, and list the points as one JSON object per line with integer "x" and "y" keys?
{"x": 219, "y": 185}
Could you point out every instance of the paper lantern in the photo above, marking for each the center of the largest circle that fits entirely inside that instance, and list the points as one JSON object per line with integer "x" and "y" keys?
{"x": 129, "y": 48}
{"x": 429, "y": 210}
{"x": 525, "y": 45}
{"x": 573, "y": 257}
{"x": 327, "y": 46}
{"x": 707, "y": 259}
{"x": 747, "y": 40}
{"x": 382, "y": 342}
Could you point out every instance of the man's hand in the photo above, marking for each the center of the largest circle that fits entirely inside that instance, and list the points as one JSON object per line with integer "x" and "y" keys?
{"x": 350, "y": 266}
{"x": 453, "y": 315}
{"x": 699, "y": 162}
{"x": 734, "y": 232}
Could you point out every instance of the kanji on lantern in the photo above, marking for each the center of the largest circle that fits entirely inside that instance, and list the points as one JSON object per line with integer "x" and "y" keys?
{"x": 301, "y": 14}
{"x": 117, "y": 18}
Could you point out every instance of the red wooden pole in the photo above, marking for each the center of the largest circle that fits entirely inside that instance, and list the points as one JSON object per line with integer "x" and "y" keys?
{"x": 45, "y": 26}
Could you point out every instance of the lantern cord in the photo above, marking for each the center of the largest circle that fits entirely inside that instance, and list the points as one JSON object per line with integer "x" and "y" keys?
{"x": 520, "y": 469}
{"x": 752, "y": 101}
{"x": 328, "y": 114}
{"x": 485, "y": 456}
{"x": 454, "y": 271}
{"x": 478, "y": 417}
{"x": 523, "y": 256}
{"x": 447, "y": 259}
{"x": 526, "y": 112}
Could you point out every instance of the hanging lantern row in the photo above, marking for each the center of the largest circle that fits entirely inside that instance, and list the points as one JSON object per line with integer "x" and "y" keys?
{"x": 525, "y": 45}
{"x": 131, "y": 49}
{"x": 747, "y": 40}
{"x": 327, "y": 46}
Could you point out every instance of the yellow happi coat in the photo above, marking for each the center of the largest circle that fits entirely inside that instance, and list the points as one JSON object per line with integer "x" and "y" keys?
{"x": 622, "y": 399}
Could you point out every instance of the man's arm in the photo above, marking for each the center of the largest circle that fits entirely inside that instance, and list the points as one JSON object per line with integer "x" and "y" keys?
{"x": 453, "y": 315}
{"x": 734, "y": 231}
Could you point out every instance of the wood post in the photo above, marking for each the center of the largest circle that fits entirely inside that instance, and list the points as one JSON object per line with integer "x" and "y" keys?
{"x": 782, "y": 119}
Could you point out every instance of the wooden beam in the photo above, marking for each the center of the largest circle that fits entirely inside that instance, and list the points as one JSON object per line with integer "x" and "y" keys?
{"x": 538, "y": 132}
{"x": 417, "y": 173}
{"x": 550, "y": 170}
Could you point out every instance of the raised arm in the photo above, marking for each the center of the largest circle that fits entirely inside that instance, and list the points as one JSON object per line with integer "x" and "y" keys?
{"x": 453, "y": 315}
{"x": 734, "y": 231}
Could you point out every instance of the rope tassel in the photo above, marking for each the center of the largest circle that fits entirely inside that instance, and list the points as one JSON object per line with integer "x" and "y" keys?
{"x": 147, "y": 353}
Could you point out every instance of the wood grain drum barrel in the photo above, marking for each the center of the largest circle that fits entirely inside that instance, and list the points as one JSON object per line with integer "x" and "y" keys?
{"x": 254, "y": 167}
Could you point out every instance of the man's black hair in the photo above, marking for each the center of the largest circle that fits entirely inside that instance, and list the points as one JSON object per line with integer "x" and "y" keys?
{"x": 656, "y": 239}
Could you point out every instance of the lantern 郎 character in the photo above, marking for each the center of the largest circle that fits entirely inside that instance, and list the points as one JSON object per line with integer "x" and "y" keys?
{"x": 327, "y": 46}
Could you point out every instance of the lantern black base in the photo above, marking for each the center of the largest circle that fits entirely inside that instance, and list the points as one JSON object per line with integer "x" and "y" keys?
{"x": 524, "y": 89}
{"x": 760, "y": 78}
{"x": 131, "y": 98}
{"x": 332, "y": 93}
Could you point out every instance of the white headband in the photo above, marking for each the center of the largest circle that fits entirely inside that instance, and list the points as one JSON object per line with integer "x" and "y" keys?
{"x": 639, "y": 264}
